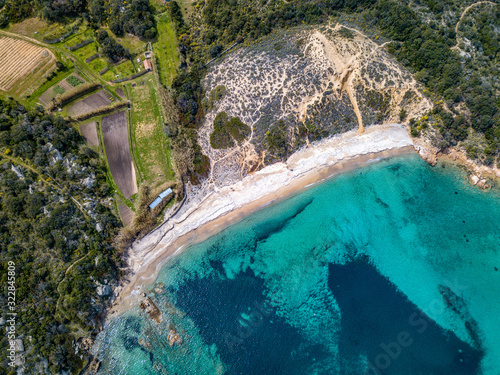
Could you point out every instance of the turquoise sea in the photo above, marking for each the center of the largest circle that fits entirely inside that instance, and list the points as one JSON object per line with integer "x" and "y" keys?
{"x": 388, "y": 269}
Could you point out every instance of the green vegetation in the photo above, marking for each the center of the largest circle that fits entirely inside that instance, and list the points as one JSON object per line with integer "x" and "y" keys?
{"x": 150, "y": 148}
{"x": 277, "y": 142}
{"x": 215, "y": 95}
{"x": 125, "y": 69}
{"x": 228, "y": 131}
{"x": 165, "y": 49}
{"x": 43, "y": 215}
{"x": 69, "y": 96}
{"x": 74, "y": 81}
{"x": 59, "y": 90}
{"x": 86, "y": 51}
{"x": 113, "y": 50}
{"x": 134, "y": 17}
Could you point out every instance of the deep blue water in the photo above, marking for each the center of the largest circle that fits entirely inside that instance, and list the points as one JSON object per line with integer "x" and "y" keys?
{"x": 390, "y": 269}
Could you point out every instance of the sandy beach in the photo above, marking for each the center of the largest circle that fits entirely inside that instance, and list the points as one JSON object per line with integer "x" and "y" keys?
{"x": 216, "y": 208}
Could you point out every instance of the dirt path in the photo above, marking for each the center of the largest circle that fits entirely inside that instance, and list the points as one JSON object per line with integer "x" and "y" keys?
{"x": 462, "y": 16}
{"x": 64, "y": 278}
{"x": 347, "y": 71}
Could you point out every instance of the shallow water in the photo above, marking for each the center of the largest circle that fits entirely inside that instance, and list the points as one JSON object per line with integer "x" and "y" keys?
{"x": 389, "y": 269}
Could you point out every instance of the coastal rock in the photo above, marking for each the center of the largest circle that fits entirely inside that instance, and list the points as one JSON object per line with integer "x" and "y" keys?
{"x": 150, "y": 308}
{"x": 93, "y": 367}
{"x": 144, "y": 344}
{"x": 479, "y": 182}
{"x": 173, "y": 337}
{"x": 428, "y": 154}
{"x": 103, "y": 290}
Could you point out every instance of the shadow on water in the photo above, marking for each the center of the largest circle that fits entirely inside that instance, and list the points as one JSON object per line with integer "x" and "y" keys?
{"x": 250, "y": 337}
{"x": 381, "y": 324}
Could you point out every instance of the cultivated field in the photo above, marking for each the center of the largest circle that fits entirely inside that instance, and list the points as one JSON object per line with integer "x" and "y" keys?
{"x": 21, "y": 61}
{"x": 89, "y": 131}
{"x": 115, "y": 134}
{"x": 95, "y": 101}
{"x": 126, "y": 214}
{"x": 61, "y": 87}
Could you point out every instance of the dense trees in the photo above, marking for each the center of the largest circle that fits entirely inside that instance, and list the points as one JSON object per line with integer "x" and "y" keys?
{"x": 113, "y": 50}
{"x": 43, "y": 164}
{"x": 18, "y": 10}
{"x": 134, "y": 17}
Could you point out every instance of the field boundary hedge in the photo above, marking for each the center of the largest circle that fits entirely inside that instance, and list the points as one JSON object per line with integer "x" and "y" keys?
{"x": 80, "y": 45}
{"x": 99, "y": 112}
{"x": 69, "y": 96}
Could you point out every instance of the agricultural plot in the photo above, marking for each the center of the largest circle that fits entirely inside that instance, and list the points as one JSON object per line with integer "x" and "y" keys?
{"x": 115, "y": 135}
{"x": 126, "y": 214}
{"x": 91, "y": 103}
{"x": 165, "y": 49}
{"x": 86, "y": 51}
{"x": 65, "y": 85}
{"x": 98, "y": 64}
{"x": 22, "y": 64}
{"x": 150, "y": 145}
{"x": 89, "y": 131}
{"x": 123, "y": 70}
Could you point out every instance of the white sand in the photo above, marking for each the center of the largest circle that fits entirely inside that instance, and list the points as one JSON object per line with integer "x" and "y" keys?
{"x": 224, "y": 206}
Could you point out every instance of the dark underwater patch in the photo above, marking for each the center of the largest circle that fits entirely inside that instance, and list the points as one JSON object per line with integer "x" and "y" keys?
{"x": 380, "y": 323}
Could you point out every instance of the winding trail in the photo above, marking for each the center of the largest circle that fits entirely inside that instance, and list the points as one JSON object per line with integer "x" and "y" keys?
{"x": 463, "y": 15}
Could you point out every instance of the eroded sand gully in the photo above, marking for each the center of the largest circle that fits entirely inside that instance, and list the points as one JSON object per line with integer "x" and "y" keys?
{"x": 210, "y": 208}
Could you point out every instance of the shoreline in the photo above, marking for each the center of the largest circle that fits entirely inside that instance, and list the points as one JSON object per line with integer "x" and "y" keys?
{"x": 303, "y": 169}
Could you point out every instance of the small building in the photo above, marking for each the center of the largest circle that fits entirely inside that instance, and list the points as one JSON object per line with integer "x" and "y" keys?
{"x": 155, "y": 203}
{"x": 165, "y": 193}
{"x": 148, "y": 66}
{"x": 147, "y": 55}
{"x": 160, "y": 198}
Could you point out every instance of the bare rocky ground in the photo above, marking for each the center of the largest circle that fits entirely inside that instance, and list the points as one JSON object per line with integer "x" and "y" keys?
{"x": 308, "y": 83}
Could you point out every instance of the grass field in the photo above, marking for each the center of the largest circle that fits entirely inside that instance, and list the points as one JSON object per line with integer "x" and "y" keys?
{"x": 131, "y": 42}
{"x": 98, "y": 64}
{"x": 150, "y": 149}
{"x": 123, "y": 70}
{"x": 40, "y": 29}
{"x": 87, "y": 51}
{"x": 165, "y": 49}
